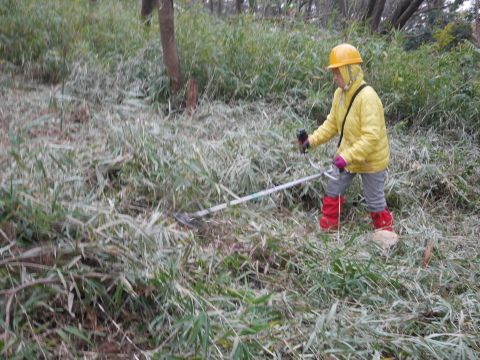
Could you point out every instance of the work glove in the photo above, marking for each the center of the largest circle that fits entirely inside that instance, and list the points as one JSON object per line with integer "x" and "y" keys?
{"x": 303, "y": 142}
{"x": 339, "y": 162}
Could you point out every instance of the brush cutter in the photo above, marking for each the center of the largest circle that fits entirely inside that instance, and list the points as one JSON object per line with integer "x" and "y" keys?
{"x": 191, "y": 219}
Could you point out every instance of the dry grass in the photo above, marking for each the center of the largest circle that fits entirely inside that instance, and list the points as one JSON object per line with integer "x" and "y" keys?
{"x": 99, "y": 264}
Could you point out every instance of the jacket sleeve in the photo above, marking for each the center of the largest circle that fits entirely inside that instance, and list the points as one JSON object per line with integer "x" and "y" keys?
{"x": 372, "y": 123}
{"x": 328, "y": 129}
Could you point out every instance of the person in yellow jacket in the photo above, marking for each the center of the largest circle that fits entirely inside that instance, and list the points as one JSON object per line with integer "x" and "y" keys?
{"x": 357, "y": 116}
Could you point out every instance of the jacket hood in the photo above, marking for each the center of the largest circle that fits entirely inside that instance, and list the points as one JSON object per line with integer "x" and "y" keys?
{"x": 351, "y": 74}
{"x": 352, "y": 77}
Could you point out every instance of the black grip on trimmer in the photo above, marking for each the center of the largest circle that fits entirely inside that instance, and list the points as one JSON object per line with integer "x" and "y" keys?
{"x": 302, "y": 135}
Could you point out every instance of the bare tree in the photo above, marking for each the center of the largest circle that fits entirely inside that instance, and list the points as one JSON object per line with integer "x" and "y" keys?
{"x": 309, "y": 8}
{"x": 238, "y": 6}
{"x": 252, "y": 5}
{"x": 402, "y": 13}
{"x": 192, "y": 95}
{"x": 169, "y": 46}
{"x": 220, "y": 7}
{"x": 147, "y": 10}
{"x": 167, "y": 35}
{"x": 342, "y": 8}
{"x": 477, "y": 21}
{"x": 370, "y": 7}
{"x": 374, "y": 12}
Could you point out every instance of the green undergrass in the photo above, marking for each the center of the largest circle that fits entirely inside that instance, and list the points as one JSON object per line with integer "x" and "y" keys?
{"x": 103, "y": 51}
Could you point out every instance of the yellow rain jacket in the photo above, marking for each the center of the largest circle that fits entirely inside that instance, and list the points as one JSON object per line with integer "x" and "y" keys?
{"x": 365, "y": 143}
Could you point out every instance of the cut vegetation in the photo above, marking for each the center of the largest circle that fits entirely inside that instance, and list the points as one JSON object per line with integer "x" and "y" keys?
{"x": 96, "y": 160}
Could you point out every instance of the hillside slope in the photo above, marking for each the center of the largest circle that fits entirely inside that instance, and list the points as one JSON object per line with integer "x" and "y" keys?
{"x": 95, "y": 262}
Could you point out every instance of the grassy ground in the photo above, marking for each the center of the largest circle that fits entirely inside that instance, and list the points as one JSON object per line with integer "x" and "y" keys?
{"x": 94, "y": 263}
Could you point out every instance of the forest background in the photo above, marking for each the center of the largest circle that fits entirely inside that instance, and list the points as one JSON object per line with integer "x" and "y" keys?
{"x": 98, "y": 151}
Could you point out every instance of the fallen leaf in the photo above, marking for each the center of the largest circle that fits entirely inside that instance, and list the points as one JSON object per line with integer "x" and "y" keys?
{"x": 427, "y": 255}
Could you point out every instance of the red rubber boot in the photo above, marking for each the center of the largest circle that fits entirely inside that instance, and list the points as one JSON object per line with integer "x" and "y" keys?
{"x": 332, "y": 207}
{"x": 382, "y": 220}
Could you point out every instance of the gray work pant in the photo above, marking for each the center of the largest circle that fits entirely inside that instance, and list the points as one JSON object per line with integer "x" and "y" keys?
{"x": 373, "y": 187}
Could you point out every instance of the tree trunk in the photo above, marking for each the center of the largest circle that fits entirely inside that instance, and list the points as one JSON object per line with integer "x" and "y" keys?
{"x": 376, "y": 16}
{"x": 342, "y": 8}
{"x": 238, "y": 6}
{"x": 253, "y": 6}
{"x": 220, "y": 7}
{"x": 402, "y": 13}
{"x": 477, "y": 21}
{"x": 408, "y": 14}
{"x": 192, "y": 96}
{"x": 369, "y": 11}
{"x": 169, "y": 46}
{"x": 147, "y": 11}
{"x": 398, "y": 11}
{"x": 309, "y": 8}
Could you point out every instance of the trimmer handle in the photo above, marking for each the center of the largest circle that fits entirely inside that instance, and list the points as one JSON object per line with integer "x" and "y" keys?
{"x": 302, "y": 136}
{"x": 303, "y": 143}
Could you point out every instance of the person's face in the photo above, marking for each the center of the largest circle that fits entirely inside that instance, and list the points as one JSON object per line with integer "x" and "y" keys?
{"x": 337, "y": 77}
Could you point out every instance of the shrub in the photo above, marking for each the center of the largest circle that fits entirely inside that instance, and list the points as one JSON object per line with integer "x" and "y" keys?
{"x": 453, "y": 34}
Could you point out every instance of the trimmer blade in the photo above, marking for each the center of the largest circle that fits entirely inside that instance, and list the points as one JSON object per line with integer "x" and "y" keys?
{"x": 188, "y": 220}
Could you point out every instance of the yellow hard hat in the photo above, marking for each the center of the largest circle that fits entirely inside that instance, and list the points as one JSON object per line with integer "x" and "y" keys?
{"x": 344, "y": 54}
